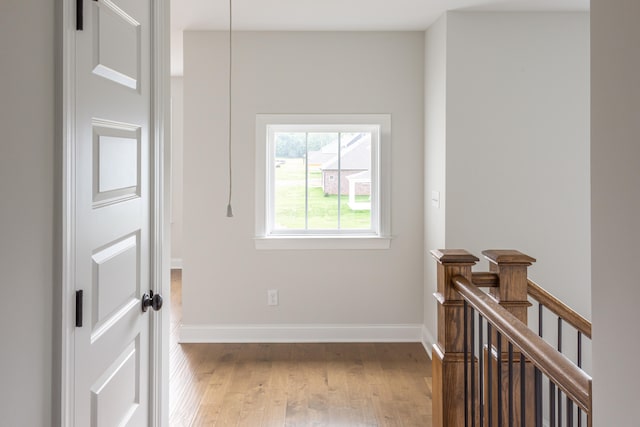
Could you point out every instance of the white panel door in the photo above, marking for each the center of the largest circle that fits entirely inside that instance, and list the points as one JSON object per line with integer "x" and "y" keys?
{"x": 113, "y": 213}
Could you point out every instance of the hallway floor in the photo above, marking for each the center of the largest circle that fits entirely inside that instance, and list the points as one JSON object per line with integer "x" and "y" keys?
{"x": 333, "y": 384}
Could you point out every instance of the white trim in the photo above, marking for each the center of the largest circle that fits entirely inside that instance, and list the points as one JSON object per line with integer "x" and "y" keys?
{"x": 67, "y": 224}
{"x": 322, "y": 242}
{"x": 161, "y": 247}
{"x": 381, "y": 216}
{"x": 427, "y": 340}
{"x": 176, "y": 263}
{"x": 287, "y": 333}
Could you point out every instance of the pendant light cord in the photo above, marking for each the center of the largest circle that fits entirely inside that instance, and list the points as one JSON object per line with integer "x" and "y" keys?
{"x": 229, "y": 209}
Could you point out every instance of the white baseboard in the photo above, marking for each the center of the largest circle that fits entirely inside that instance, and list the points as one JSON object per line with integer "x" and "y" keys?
{"x": 176, "y": 263}
{"x": 427, "y": 340}
{"x": 284, "y": 333}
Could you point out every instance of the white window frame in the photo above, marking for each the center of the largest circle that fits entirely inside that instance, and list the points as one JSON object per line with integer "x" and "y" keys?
{"x": 378, "y": 237}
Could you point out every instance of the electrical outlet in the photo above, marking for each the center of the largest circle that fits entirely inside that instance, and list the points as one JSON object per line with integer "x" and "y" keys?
{"x": 272, "y": 297}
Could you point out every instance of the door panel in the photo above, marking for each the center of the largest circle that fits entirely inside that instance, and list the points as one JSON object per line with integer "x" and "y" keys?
{"x": 117, "y": 163}
{"x": 117, "y": 157}
{"x": 113, "y": 208}
{"x": 116, "y": 283}
{"x": 116, "y": 44}
{"x": 115, "y": 397}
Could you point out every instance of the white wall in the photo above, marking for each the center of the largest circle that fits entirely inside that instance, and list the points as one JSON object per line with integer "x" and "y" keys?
{"x": 518, "y": 142}
{"x": 517, "y": 145}
{"x": 435, "y": 99}
{"x": 27, "y": 185}
{"x": 225, "y": 277}
{"x": 177, "y": 121}
{"x": 615, "y": 209}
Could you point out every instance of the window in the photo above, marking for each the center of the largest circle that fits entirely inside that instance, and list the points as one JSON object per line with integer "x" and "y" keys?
{"x": 322, "y": 181}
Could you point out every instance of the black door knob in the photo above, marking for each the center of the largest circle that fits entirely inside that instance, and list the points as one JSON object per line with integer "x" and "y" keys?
{"x": 151, "y": 300}
{"x": 156, "y": 302}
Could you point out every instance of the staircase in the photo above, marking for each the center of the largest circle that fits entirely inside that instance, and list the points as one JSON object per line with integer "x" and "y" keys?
{"x": 489, "y": 367}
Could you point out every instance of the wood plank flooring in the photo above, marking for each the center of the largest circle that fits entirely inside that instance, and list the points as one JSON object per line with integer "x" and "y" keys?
{"x": 254, "y": 385}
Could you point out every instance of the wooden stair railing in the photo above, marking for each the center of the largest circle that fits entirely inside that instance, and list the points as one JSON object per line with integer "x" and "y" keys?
{"x": 496, "y": 395}
{"x": 542, "y": 296}
{"x": 559, "y": 308}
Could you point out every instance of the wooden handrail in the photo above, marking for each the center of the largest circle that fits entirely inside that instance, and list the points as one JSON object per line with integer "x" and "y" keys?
{"x": 559, "y": 308}
{"x": 566, "y": 313}
{"x": 573, "y": 381}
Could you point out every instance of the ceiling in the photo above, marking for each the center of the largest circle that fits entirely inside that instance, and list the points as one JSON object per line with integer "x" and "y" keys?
{"x": 332, "y": 15}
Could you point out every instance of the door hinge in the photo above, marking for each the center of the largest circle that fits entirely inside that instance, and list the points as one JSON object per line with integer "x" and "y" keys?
{"x": 79, "y": 15}
{"x": 79, "y": 308}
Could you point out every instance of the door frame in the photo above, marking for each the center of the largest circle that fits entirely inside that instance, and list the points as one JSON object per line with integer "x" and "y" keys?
{"x": 160, "y": 134}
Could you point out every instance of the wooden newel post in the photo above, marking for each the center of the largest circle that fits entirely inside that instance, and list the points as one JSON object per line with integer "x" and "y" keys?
{"x": 511, "y": 267}
{"x": 448, "y": 352}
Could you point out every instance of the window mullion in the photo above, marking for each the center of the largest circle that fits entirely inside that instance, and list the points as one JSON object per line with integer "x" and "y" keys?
{"x": 339, "y": 175}
{"x": 271, "y": 180}
{"x": 306, "y": 180}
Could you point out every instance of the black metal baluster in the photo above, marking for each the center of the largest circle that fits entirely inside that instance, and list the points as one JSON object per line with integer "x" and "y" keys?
{"x": 538, "y": 385}
{"x": 579, "y": 349}
{"x": 480, "y": 370}
{"x": 523, "y": 389}
{"x": 559, "y": 407}
{"x": 499, "y": 375}
{"x": 473, "y": 371}
{"x": 466, "y": 361}
{"x": 569, "y": 412}
{"x": 538, "y": 374}
{"x": 560, "y": 334}
{"x": 540, "y": 313}
{"x": 579, "y": 366}
{"x": 510, "y": 384}
{"x": 559, "y": 392}
{"x": 489, "y": 374}
{"x": 552, "y": 403}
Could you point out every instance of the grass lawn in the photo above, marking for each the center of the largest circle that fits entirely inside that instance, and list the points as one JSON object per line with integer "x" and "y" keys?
{"x": 323, "y": 210}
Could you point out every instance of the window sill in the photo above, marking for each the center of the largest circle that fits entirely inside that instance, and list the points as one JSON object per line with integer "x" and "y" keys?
{"x": 323, "y": 242}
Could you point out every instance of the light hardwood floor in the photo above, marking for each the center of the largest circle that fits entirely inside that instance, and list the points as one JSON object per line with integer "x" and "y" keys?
{"x": 371, "y": 384}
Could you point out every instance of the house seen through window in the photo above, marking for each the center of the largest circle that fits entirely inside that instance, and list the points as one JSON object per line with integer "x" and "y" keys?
{"x": 322, "y": 180}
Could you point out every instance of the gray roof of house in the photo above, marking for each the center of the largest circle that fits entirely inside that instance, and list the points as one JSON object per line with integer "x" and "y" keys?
{"x": 361, "y": 176}
{"x": 356, "y": 156}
